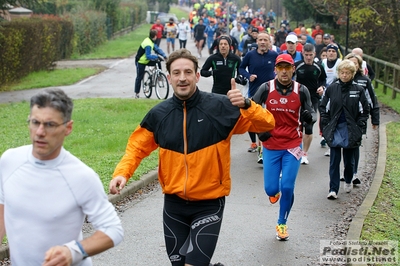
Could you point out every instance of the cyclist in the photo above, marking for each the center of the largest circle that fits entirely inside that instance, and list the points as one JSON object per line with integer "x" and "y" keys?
{"x": 144, "y": 58}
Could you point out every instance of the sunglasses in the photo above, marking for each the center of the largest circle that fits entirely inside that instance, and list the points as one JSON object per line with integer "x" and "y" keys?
{"x": 284, "y": 67}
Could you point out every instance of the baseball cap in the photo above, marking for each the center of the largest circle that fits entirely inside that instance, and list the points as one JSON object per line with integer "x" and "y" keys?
{"x": 327, "y": 36}
{"x": 291, "y": 38}
{"x": 254, "y": 29}
{"x": 287, "y": 58}
{"x": 332, "y": 46}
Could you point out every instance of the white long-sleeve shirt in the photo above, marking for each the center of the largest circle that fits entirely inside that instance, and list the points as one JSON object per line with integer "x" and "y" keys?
{"x": 45, "y": 204}
{"x": 184, "y": 31}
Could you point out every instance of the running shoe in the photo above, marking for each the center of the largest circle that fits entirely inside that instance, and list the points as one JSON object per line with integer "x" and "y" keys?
{"x": 332, "y": 195}
{"x": 304, "y": 160}
{"x": 356, "y": 180}
{"x": 260, "y": 159}
{"x": 342, "y": 178}
{"x": 137, "y": 96}
{"x": 274, "y": 199}
{"x": 253, "y": 147}
{"x": 323, "y": 142}
{"x": 217, "y": 264}
{"x": 348, "y": 187}
{"x": 281, "y": 232}
{"x": 328, "y": 152}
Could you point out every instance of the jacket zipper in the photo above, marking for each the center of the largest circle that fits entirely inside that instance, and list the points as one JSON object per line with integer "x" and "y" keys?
{"x": 185, "y": 146}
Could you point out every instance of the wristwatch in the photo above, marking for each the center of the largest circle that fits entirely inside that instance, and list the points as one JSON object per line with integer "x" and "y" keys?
{"x": 247, "y": 103}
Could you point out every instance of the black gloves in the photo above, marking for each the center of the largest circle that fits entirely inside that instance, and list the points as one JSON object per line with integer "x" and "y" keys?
{"x": 363, "y": 125}
{"x": 306, "y": 116}
{"x": 241, "y": 80}
{"x": 264, "y": 136}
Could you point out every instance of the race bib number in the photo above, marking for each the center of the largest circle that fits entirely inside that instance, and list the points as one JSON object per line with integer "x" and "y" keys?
{"x": 297, "y": 152}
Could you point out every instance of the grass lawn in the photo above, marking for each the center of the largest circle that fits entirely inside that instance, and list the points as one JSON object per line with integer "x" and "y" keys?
{"x": 101, "y": 131}
{"x": 382, "y": 222}
{"x": 57, "y": 77}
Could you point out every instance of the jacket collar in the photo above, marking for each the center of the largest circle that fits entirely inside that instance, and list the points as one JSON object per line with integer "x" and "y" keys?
{"x": 192, "y": 101}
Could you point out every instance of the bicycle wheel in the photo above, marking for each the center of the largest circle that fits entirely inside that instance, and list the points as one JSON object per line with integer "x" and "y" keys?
{"x": 162, "y": 86}
{"x": 147, "y": 84}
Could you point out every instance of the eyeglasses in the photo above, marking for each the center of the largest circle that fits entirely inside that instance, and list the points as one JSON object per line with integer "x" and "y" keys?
{"x": 48, "y": 126}
{"x": 284, "y": 67}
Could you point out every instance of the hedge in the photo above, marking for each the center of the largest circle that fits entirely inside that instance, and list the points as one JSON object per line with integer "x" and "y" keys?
{"x": 33, "y": 44}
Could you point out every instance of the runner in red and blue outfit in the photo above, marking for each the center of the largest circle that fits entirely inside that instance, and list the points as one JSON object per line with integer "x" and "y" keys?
{"x": 288, "y": 101}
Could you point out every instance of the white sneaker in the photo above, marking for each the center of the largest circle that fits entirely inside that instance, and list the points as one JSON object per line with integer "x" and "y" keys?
{"x": 332, "y": 195}
{"x": 356, "y": 180}
{"x": 304, "y": 160}
{"x": 348, "y": 187}
{"x": 323, "y": 142}
{"x": 328, "y": 152}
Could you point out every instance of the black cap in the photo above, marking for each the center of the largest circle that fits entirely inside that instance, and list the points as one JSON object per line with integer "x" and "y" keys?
{"x": 327, "y": 36}
{"x": 223, "y": 37}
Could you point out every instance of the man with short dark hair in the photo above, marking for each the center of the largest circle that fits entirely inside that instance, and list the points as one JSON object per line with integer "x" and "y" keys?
{"x": 313, "y": 76}
{"x": 192, "y": 131}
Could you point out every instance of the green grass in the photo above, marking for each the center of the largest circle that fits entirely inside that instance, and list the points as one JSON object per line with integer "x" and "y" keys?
{"x": 387, "y": 98}
{"x": 101, "y": 131}
{"x": 124, "y": 46}
{"x": 382, "y": 222}
{"x": 57, "y": 77}
{"x": 179, "y": 13}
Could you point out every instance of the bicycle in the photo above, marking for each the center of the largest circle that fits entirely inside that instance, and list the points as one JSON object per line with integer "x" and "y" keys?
{"x": 154, "y": 78}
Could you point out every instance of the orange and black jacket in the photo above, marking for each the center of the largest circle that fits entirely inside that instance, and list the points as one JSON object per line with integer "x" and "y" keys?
{"x": 193, "y": 138}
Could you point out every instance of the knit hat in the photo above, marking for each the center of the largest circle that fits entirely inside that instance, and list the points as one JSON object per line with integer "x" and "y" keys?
{"x": 332, "y": 46}
{"x": 223, "y": 37}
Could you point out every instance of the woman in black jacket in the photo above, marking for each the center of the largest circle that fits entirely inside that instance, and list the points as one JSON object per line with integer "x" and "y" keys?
{"x": 366, "y": 83}
{"x": 344, "y": 113}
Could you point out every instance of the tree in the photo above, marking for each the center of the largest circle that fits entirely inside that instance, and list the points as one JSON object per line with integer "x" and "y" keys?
{"x": 299, "y": 10}
{"x": 374, "y": 24}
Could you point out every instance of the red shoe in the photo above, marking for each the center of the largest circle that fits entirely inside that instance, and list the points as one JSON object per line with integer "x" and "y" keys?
{"x": 274, "y": 199}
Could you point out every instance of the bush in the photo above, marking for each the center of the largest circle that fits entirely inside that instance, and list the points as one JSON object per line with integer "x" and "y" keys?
{"x": 32, "y": 44}
{"x": 89, "y": 30}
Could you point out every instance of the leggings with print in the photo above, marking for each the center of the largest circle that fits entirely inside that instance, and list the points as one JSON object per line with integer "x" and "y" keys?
{"x": 191, "y": 229}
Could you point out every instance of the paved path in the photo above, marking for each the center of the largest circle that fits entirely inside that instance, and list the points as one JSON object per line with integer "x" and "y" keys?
{"x": 248, "y": 230}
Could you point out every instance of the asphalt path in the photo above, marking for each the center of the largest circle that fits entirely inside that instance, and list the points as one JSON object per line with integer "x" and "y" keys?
{"x": 248, "y": 230}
